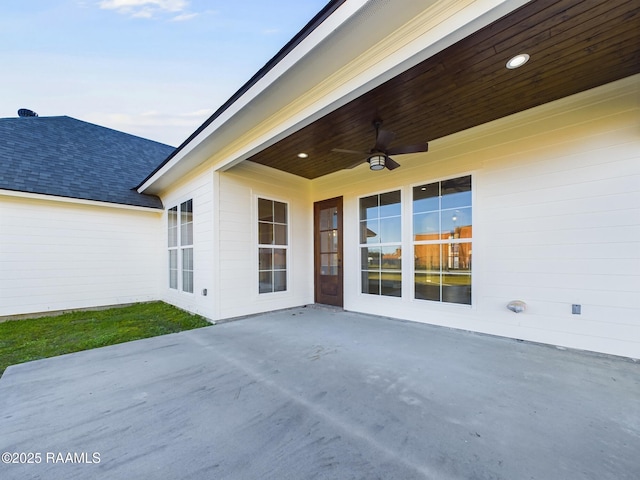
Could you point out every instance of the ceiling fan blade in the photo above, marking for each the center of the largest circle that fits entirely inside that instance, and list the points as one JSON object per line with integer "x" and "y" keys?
{"x": 385, "y": 137}
{"x": 390, "y": 163}
{"x": 421, "y": 147}
{"x": 359, "y": 162}
{"x": 342, "y": 150}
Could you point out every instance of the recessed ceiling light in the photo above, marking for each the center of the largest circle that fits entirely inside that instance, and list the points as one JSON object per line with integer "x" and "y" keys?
{"x": 517, "y": 61}
{"x": 303, "y": 155}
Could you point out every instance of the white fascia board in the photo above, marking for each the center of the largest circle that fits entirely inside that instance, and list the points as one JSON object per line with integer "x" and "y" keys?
{"x": 343, "y": 13}
{"x": 77, "y": 201}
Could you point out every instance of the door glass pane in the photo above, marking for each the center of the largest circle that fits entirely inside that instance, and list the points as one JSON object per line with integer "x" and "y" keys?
{"x": 329, "y": 264}
{"x": 324, "y": 221}
{"x": 329, "y": 218}
{"x": 329, "y": 241}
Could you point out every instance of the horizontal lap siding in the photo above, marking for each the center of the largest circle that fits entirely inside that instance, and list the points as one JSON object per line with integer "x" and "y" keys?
{"x": 197, "y": 187}
{"x": 238, "y": 261}
{"x": 59, "y": 255}
{"x": 556, "y": 222}
{"x": 560, "y": 223}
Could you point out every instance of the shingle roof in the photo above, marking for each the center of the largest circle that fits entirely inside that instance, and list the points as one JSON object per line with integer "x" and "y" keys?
{"x": 66, "y": 157}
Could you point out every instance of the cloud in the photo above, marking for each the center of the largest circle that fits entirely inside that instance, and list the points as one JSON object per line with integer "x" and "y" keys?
{"x": 146, "y": 8}
{"x": 202, "y": 113}
{"x": 170, "y": 117}
{"x": 183, "y": 17}
{"x": 171, "y": 128}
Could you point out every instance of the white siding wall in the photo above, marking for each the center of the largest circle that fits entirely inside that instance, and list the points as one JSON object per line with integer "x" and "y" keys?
{"x": 239, "y": 189}
{"x": 556, "y": 222}
{"x": 197, "y": 187}
{"x": 56, "y": 255}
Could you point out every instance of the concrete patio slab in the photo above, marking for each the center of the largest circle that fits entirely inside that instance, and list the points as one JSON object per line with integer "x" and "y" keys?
{"x": 311, "y": 393}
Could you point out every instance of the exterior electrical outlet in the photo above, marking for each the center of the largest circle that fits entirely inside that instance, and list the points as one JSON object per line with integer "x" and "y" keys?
{"x": 576, "y": 309}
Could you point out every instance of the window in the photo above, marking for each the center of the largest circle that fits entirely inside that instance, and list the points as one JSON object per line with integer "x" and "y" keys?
{"x": 180, "y": 242}
{"x": 273, "y": 243}
{"x": 381, "y": 244}
{"x": 442, "y": 236}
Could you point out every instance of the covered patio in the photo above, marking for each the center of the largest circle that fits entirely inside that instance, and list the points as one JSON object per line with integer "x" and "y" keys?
{"x": 318, "y": 393}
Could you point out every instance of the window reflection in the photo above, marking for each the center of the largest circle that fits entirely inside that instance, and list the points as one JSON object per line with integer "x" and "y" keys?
{"x": 442, "y": 233}
{"x": 381, "y": 244}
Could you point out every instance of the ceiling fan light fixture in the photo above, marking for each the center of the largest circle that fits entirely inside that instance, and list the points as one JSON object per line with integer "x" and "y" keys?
{"x": 376, "y": 161}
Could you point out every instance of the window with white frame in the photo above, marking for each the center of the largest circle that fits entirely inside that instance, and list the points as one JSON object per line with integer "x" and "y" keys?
{"x": 381, "y": 244}
{"x": 442, "y": 239}
{"x": 180, "y": 242}
{"x": 273, "y": 243}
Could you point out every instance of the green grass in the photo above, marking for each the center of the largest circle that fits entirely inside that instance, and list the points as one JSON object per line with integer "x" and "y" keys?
{"x": 33, "y": 339}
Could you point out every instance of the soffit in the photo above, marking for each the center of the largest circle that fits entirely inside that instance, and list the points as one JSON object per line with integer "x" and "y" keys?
{"x": 574, "y": 46}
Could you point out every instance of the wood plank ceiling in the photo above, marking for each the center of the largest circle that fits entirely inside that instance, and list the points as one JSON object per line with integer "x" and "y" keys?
{"x": 574, "y": 46}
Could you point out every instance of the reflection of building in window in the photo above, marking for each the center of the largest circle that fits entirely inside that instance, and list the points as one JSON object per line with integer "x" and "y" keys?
{"x": 381, "y": 244}
{"x": 272, "y": 246}
{"x": 442, "y": 237}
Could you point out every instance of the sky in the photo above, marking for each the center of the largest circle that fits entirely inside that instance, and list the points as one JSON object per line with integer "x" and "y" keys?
{"x": 153, "y": 68}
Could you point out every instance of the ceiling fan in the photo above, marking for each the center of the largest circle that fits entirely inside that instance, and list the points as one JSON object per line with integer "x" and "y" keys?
{"x": 378, "y": 157}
